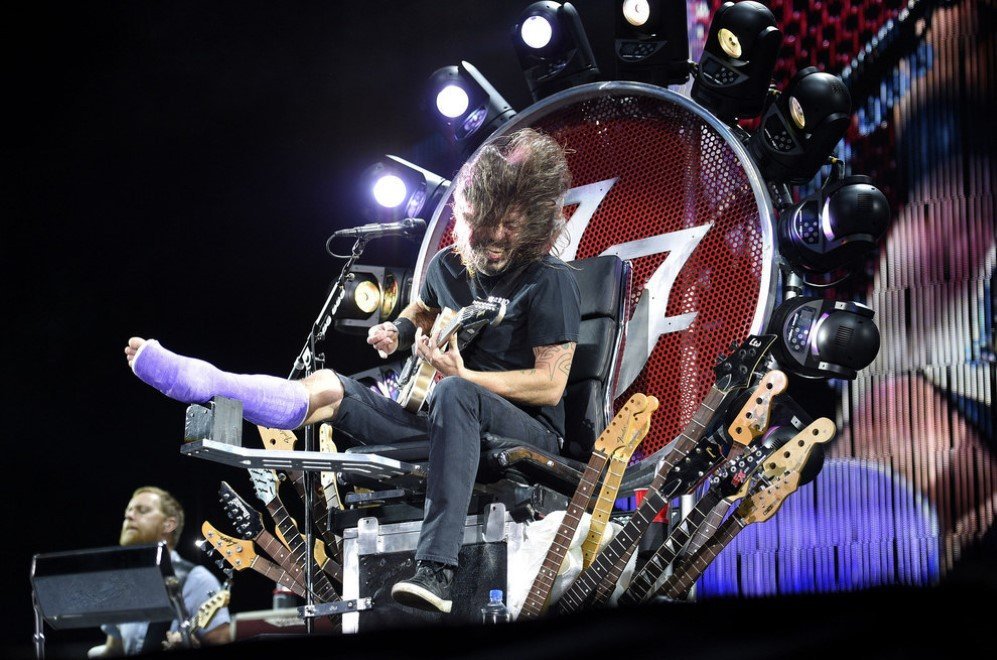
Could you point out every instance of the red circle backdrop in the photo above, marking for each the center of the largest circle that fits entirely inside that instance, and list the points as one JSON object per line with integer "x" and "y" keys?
{"x": 675, "y": 168}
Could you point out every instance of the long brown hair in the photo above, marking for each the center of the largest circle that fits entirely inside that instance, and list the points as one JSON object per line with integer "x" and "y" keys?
{"x": 524, "y": 173}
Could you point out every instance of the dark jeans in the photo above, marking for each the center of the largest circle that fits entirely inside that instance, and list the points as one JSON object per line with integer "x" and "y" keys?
{"x": 459, "y": 413}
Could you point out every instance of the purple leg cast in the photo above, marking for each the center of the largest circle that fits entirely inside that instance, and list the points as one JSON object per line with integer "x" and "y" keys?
{"x": 266, "y": 400}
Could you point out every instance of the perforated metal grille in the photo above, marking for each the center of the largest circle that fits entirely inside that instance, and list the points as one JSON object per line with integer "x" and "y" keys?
{"x": 674, "y": 171}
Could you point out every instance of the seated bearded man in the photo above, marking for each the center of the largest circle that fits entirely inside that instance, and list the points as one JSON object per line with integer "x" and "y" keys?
{"x": 507, "y": 204}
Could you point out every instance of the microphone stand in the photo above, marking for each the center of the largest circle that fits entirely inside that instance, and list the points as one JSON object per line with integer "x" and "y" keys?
{"x": 307, "y": 362}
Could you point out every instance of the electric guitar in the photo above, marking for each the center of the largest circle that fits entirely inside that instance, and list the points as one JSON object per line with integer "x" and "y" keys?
{"x": 629, "y": 425}
{"x": 249, "y": 523}
{"x": 728, "y": 484}
{"x": 241, "y": 555}
{"x": 418, "y": 375}
{"x": 750, "y": 423}
{"x": 265, "y": 487}
{"x": 283, "y": 440}
{"x": 607, "y": 497}
{"x": 207, "y": 611}
{"x": 691, "y": 458}
{"x": 779, "y": 478}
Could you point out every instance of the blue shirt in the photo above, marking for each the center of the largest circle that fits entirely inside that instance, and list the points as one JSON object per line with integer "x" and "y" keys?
{"x": 198, "y": 588}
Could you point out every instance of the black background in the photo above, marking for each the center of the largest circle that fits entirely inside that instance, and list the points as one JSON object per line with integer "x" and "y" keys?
{"x": 173, "y": 170}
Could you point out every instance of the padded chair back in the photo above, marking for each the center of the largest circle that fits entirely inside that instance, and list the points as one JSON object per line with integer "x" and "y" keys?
{"x": 604, "y": 283}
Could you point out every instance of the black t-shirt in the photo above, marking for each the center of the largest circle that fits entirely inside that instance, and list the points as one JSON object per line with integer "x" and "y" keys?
{"x": 543, "y": 309}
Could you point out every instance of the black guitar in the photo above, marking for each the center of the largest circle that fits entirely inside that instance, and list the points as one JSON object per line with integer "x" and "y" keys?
{"x": 693, "y": 456}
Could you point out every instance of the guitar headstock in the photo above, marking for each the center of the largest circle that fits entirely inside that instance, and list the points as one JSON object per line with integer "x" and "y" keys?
{"x": 629, "y": 426}
{"x": 239, "y": 553}
{"x": 248, "y": 521}
{"x": 735, "y": 370}
{"x": 277, "y": 439}
{"x": 793, "y": 455}
{"x": 482, "y": 312}
{"x": 754, "y": 418}
{"x": 781, "y": 472}
{"x": 733, "y": 478}
{"x": 264, "y": 484}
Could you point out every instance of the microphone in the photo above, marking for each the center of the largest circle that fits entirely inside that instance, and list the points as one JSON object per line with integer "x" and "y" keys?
{"x": 406, "y": 227}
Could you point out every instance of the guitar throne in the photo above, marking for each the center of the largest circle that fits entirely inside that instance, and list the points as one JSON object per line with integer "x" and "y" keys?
{"x": 528, "y": 480}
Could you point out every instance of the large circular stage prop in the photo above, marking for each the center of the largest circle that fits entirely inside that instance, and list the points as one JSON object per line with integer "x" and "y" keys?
{"x": 662, "y": 183}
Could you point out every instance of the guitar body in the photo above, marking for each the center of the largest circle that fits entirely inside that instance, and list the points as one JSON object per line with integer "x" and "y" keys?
{"x": 417, "y": 388}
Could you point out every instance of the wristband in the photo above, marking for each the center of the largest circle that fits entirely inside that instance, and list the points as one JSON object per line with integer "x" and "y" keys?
{"x": 406, "y": 331}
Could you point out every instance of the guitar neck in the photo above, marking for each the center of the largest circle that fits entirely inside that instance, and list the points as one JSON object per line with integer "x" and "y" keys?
{"x": 283, "y": 521}
{"x": 272, "y": 571}
{"x": 695, "y": 429}
{"x": 585, "y": 584}
{"x": 277, "y": 551}
{"x": 536, "y": 600}
{"x": 609, "y": 564}
{"x": 320, "y": 508}
{"x": 679, "y": 583}
{"x": 604, "y": 505}
{"x": 642, "y": 584}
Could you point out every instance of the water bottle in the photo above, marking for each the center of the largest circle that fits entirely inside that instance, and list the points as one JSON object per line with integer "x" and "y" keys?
{"x": 283, "y": 597}
{"x": 495, "y": 611}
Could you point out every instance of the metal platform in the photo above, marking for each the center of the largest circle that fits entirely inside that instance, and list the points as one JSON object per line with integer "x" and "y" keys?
{"x": 369, "y": 466}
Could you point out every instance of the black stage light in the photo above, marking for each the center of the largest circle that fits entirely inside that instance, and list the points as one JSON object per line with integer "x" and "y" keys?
{"x": 835, "y": 226}
{"x": 394, "y": 189}
{"x": 801, "y": 126}
{"x": 735, "y": 70}
{"x": 820, "y": 338}
{"x": 466, "y": 105}
{"x": 373, "y": 294}
{"x": 652, "y": 41}
{"x": 553, "y": 50}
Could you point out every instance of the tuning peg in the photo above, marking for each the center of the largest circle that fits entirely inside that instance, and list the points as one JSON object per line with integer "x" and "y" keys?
{"x": 229, "y": 572}
{"x": 733, "y": 346}
{"x": 220, "y": 563}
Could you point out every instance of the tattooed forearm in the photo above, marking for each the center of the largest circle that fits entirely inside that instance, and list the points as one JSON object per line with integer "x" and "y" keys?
{"x": 554, "y": 360}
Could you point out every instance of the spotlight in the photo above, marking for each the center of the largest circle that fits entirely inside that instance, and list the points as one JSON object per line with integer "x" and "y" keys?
{"x": 652, "y": 41}
{"x": 801, "y": 126}
{"x": 820, "y": 338}
{"x": 372, "y": 295}
{"x": 466, "y": 105}
{"x": 835, "y": 226}
{"x": 553, "y": 50}
{"x": 397, "y": 189}
{"x": 735, "y": 70}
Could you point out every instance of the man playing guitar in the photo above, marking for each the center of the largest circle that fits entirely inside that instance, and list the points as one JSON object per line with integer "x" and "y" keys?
{"x": 508, "y": 210}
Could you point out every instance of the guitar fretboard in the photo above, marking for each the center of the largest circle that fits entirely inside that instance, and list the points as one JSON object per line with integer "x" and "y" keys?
{"x": 323, "y": 588}
{"x": 320, "y": 514}
{"x": 272, "y": 571}
{"x": 544, "y": 582}
{"x": 642, "y": 583}
{"x": 610, "y": 563}
{"x": 679, "y": 583}
{"x": 604, "y": 504}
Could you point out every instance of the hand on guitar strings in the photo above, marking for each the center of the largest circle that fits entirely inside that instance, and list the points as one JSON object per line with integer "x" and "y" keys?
{"x": 446, "y": 360}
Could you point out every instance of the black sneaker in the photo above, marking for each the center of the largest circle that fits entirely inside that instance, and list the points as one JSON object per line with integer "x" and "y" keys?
{"x": 428, "y": 589}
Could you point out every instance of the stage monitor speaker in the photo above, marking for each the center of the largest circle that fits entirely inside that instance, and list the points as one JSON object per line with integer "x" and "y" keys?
{"x": 87, "y": 588}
